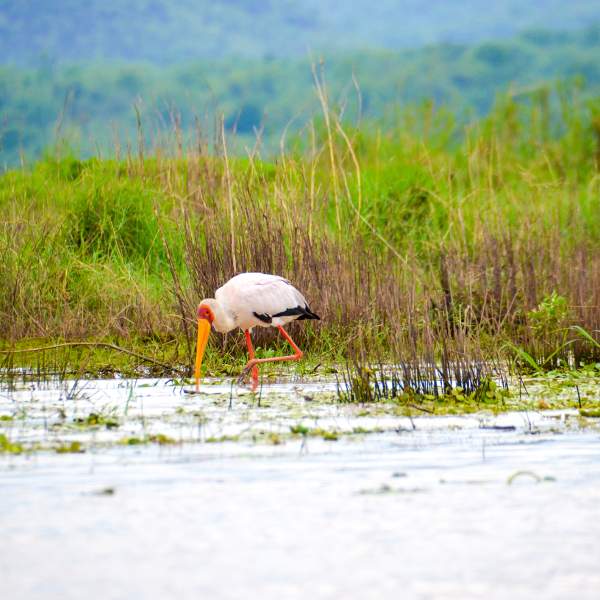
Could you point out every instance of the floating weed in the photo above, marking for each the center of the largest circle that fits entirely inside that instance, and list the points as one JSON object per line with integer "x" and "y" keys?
{"x": 108, "y": 491}
{"x": 274, "y": 438}
{"x": 384, "y": 490}
{"x": 97, "y": 420}
{"x": 592, "y": 413}
{"x": 132, "y": 441}
{"x": 74, "y": 447}
{"x": 222, "y": 438}
{"x": 299, "y": 429}
{"x": 161, "y": 439}
{"x": 302, "y": 430}
{"x": 488, "y": 391}
{"x": 155, "y": 438}
{"x": 269, "y": 437}
{"x": 9, "y": 447}
{"x": 531, "y": 475}
{"x": 365, "y": 431}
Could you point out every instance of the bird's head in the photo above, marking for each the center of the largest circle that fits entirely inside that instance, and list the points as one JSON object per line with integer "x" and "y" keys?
{"x": 206, "y": 312}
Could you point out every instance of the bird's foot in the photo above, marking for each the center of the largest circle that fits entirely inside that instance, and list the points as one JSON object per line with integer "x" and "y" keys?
{"x": 249, "y": 369}
{"x": 242, "y": 378}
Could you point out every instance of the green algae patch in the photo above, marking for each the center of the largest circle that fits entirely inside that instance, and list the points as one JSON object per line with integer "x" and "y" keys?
{"x": 132, "y": 441}
{"x": 155, "y": 438}
{"x": 9, "y": 447}
{"x": 70, "y": 448}
{"x": 592, "y": 413}
{"x": 274, "y": 438}
{"x": 221, "y": 438}
{"x": 161, "y": 439}
{"x": 299, "y": 429}
{"x": 97, "y": 420}
{"x": 327, "y": 435}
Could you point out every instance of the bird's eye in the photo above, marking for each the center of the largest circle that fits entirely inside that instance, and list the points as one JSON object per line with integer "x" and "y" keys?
{"x": 204, "y": 312}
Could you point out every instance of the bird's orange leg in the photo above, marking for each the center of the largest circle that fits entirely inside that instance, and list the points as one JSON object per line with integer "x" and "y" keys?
{"x": 257, "y": 361}
{"x": 251, "y": 354}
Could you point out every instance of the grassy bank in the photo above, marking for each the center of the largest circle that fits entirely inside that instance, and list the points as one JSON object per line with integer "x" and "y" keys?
{"x": 418, "y": 243}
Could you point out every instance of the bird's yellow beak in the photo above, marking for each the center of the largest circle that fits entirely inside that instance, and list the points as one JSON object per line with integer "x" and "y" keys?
{"x": 203, "y": 333}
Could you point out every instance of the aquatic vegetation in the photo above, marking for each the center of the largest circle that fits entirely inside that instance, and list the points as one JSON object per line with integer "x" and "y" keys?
{"x": 132, "y": 441}
{"x": 384, "y": 489}
{"x": 97, "y": 420}
{"x": 161, "y": 439}
{"x": 274, "y": 438}
{"x": 74, "y": 447}
{"x": 156, "y": 438}
{"x": 47, "y": 423}
{"x": 221, "y": 438}
{"x": 420, "y": 383}
{"x": 329, "y": 435}
{"x": 550, "y": 314}
{"x": 9, "y": 447}
{"x": 593, "y": 413}
{"x": 529, "y": 475}
{"x": 299, "y": 429}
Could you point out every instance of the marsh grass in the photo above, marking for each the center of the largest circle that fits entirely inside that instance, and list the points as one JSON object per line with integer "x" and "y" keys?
{"x": 422, "y": 245}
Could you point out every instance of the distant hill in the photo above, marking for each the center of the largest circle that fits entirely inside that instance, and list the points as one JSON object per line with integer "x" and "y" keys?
{"x": 163, "y": 32}
{"x": 94, "y": 102}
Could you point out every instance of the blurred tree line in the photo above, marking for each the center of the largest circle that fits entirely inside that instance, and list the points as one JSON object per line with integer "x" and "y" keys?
{"x": 93, "y": 105}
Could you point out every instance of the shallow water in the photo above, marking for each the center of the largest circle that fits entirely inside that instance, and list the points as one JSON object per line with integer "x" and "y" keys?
{"x": 426, "y": 507}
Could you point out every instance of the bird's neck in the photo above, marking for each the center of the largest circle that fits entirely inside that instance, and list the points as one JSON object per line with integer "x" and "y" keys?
{"x": 224, "y": 318}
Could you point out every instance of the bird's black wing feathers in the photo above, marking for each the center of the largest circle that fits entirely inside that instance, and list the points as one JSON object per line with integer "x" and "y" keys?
{"x": 302, "y": 313}
{"x": 264, "y": 317}
{"x": 299, "y": 312}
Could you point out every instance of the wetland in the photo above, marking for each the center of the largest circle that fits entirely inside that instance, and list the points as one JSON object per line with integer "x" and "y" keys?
{"x": 290, "y": 490}
{"x": 441, "y": 435}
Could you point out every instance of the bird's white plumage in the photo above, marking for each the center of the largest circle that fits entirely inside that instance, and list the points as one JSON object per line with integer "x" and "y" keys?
{"x": 250, "y": 294}
{"x": 249, "y": 300}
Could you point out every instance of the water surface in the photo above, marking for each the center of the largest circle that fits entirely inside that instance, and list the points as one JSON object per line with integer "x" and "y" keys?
{"x": 422, "y": 507}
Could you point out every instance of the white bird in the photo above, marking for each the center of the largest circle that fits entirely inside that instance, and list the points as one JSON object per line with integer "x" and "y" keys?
{"x": 251, "y": 300}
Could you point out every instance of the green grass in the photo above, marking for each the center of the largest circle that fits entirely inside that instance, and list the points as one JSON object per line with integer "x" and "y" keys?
{"x": 416, "y": 244}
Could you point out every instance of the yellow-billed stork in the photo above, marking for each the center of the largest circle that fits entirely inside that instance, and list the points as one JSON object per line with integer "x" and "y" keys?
{"x": 251, "y": 300}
